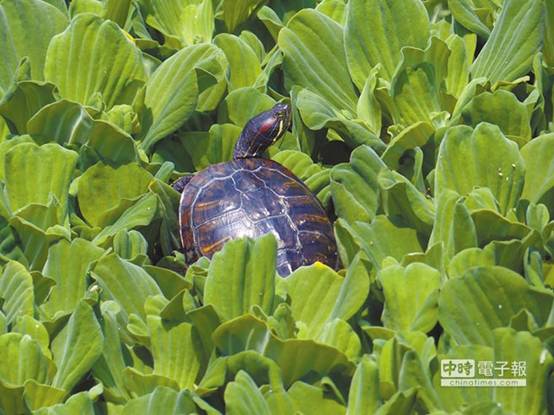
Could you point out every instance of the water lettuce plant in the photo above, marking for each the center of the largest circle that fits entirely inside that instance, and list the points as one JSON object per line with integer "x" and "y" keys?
{"x": 425, "y": 126}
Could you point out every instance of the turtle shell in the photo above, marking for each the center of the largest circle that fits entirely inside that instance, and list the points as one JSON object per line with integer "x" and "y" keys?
{"x": 249, "y": 198}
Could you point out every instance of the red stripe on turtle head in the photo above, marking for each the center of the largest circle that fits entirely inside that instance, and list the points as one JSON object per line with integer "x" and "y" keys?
{"x": 267, "y": 126}
{"x": 262, "y": 131}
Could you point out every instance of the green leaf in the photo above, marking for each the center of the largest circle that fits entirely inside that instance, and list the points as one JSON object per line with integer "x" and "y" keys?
{"x": 242, "y": 396}
{"x": 539, "y": 170}
{"x": 37, "y": 395}
{"x": 340, "y": 335}
{"x": 312, "y": 400}
{"x": 6, "y": 146}
{"x": 413, "y": 374}
{"x": 454, "y": 398}
{"x": 404, "y": 202}
{"x": 298, "y": 358}
{"x": 489, "y": 297}
{"x": 416, "y": 135}
{"x": 10, "y": 248}
{"x": 514, "y": 41}
{"x": 205, "y": 320}
{"x": 236, "y": 12}
{"x": 104, "y": 192}
{"x": 279, "y": 402}
{"x": 354, "y": 186}
{"x": 172, "y": 92}
{"x": 189, "y": 21}
{"x": 286, "y": 9}
{"x": 393, "y": 353}
{"x": 63, "y": 121}
{"x": 23, "y": 100}
{"x": 512, "y": 346}
{"x": 318, "y": 295}
{"x": 261, "y": 368}
{"x": 139, "y": 214}
{"x": 503, "y": 109}
{"x": 257, "y": 46}
{"x": 462, "y": 50}
{"x": 410, "y": 297}
{"x": 4, "y": 130}
{"x": 491, "y": 226}
{"x": 483, "y": 157}
{"x": 363, "y": 397}
{"x": 16, "y": 291}
{"x": 26, "y": 324}
{"x": 140, "y": 384}
{"x": 335, "y": 9}
{"x": 86, "y": 6}
{"x": 11, "y": 401}
{"x": 93, "y": 59}
{"x": 378, "y": 240}
{"x": 313, "y": 291}
{"x": 470, "y": 258}
{"x": 241, "y": 333}
{"x": 33, "y": 173}
{"x": 175, "y": 351}
{"x": 76, "y": 347}
{"x": 68, "y": 264}
{"x": 467, "y": 17}
{"x": 24, "y": 360}
{"x": 122, "y": 116}
{"x": 376, "y": 31}
{"x": 169, "y": 281}
{"x": 368, "y": 108}
{"x": 161, "y": 401}
{"x": 415, "y": 87}
{"x": 80, "y": 403}
{"x": 205, "y": 149}
{"x": 108, "y": 369}
{"x": 167, "y": 209}
{"x": 59, "y": 4}
{"x": 353, "y": 290}
{"x": 68, "y": 123}
{"x": 271, "y": 20}
{"x": 244, "y": 65}
{"x": 16, "y": 17}
{"x": 110, "y": 145}
{"x": 245, "y": 103}
{"x": 322, "y": 70}
{"x": 36, "y": 227}
{"x": 117, "y": 11}
{"x": 453, "y": 225}
{"x": 317, "y": 113}
{"x": 128, "y": 284}
{"x": 510, "y": 254}
{"x": 242, "y": 275}
{"x": 548, "y": 47}
{"x": 130, "y": 245}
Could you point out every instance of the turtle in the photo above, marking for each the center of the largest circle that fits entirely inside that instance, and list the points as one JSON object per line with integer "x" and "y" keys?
{"x": 250, "y": 196}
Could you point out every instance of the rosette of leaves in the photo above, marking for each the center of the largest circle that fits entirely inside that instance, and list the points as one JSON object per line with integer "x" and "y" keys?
{"x": 426, "y": 130}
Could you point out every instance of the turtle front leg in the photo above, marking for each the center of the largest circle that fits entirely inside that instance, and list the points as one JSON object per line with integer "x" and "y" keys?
{"x": 180, "y": 184}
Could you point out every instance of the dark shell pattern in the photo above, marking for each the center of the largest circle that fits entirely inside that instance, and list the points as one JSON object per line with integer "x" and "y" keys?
{"x": 249, "y": 198}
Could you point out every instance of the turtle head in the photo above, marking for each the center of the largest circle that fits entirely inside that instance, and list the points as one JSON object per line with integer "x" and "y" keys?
{"x": 262, "y": 131}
